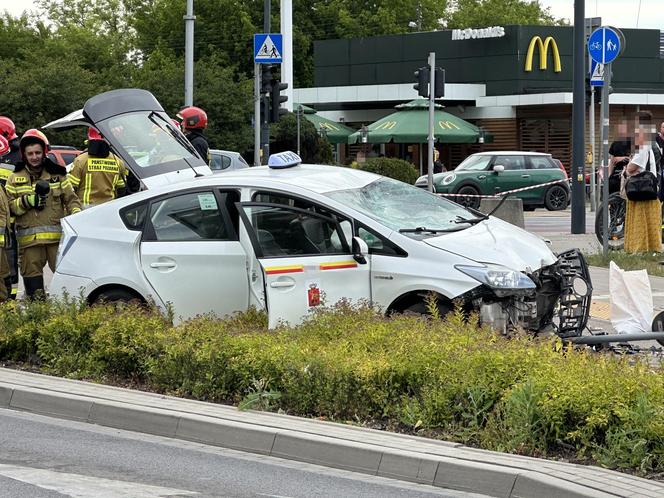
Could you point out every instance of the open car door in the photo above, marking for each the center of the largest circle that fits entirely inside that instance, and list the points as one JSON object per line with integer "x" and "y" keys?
{"x": 141, "y": 133}
{"x": 306, "y": 260}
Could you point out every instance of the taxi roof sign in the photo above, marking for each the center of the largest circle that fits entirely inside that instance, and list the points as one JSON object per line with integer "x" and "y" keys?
{"x": 282, "y": 160}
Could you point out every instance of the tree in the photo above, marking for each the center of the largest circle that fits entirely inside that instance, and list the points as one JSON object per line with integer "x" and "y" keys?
{"x": 313, "y": 148}
{"x": 484, "y": 13}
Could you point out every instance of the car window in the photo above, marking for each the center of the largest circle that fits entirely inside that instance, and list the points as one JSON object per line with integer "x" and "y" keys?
{"x": 379, "y": 244}
{"x": 285, "y": 231}
{"x": 68, "y": 157}
{"x": 134, "y": 216}
{"x": 188, "y": 217}
{"x": 542, "y": 162}
{"x": 511, "y": 162}
{"x": 242, "y": 161}
{"x": 474, "y": 163}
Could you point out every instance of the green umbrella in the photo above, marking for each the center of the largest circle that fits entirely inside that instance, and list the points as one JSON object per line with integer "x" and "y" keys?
{"x": 336, "y": 133}
{"x": 410, "y": 124}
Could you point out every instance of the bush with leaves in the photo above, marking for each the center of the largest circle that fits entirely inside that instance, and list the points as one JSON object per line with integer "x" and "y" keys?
{"x": 391, "y": 167}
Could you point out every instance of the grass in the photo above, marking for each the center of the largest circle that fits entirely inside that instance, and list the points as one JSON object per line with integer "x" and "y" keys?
{"x": 627, "y": 261}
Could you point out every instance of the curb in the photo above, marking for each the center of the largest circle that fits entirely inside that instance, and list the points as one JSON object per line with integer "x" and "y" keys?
{"x": 367, "y": 451}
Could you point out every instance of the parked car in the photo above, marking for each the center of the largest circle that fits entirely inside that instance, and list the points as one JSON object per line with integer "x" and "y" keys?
{"x": 64, "y": 155}
{"x": 489, "y": 173}
{"x": 289, "y": 237}
{"x": 226, "y": 160}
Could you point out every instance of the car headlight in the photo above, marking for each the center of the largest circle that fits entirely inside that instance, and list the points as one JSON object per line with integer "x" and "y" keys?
{"x": 498, "y": 277}
{"x": 448, "y": 179}
{"x": 68, "y": 238}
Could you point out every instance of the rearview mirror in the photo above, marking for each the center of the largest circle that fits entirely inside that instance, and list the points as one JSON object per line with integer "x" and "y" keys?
{"x": 498, "y": 168}
{"x": 360, "y": 250}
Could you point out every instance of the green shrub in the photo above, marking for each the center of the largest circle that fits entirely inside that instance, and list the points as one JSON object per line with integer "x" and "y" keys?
{"x": 450, "y": 378}
{"x": 391, "y": 167}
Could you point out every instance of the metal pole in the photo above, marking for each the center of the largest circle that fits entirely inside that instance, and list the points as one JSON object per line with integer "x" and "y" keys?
{"x": 299, "y": 111}
{"x": 578, "y": 123}
{"x": 189, "y": 55}
{"x": 257, "y": 114}
{"x": 593, "y": 186}
{"x": 605, "y": 158}
{"x": 432, "y": 86}
{"x": 265, "y": 125}
{"x": 286, "y": 13}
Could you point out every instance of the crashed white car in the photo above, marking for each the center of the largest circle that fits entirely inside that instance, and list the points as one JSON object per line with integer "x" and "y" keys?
{"x": 290, "y": 237}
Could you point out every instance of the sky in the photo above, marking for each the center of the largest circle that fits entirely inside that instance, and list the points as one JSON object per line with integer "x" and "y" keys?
{"x": 618, "y": 13}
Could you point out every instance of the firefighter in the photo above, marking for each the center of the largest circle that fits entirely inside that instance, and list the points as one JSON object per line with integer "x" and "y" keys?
{"x": 39, "y": 196}
{"x": 7, "y": 162}
{"x": 194, "y": 120}
{"x": 4, "y": 232}
{"x": 97, "y": 175}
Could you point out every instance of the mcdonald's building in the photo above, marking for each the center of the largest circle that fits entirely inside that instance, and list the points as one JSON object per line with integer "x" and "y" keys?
{"x": 513, "y": 81}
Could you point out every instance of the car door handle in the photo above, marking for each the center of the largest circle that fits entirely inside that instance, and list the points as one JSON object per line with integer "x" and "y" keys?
{"x": 481, "y": 177}
{"x": 525, "y": 176}
{"x": 282, "y": 284}
{"x": 163, "y": 264}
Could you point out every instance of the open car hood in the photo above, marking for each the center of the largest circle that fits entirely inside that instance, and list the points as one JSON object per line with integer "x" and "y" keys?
{"x": 141, "y": 133}
{"x": 496, "y": 241}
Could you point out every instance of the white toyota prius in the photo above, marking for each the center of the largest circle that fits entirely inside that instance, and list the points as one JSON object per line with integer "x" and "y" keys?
{"x": 291, "y": 237}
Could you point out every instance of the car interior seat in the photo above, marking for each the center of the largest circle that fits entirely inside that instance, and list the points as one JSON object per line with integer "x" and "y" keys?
{"x": 269, "y": 244}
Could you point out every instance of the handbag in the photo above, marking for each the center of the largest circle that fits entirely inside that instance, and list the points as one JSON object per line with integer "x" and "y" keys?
{"x": 642, "y": 186}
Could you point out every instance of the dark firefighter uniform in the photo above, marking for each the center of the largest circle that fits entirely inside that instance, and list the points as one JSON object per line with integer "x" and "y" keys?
{"x": 5, "y": 225}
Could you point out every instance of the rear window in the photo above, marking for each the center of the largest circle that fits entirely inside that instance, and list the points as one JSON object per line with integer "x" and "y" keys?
{"x": 134, "y": 216}
{"x": 542, "y": 162}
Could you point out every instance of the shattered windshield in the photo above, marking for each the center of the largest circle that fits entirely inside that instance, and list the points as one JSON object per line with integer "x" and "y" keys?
{"x": 149, "y": 139}
{"x": 400, "y": 206}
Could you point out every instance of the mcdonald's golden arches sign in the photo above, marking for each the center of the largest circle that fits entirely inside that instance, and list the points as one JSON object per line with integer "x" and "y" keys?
{"x": 543, "y": 48}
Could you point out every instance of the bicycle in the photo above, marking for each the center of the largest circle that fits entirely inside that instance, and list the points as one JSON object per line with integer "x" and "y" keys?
{"x": 617, "y": 212}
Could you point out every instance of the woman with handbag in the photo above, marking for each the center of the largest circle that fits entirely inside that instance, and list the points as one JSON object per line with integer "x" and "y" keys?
{"x": 643, "y": 219}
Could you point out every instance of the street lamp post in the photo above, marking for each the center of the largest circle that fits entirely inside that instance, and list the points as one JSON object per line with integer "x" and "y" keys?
{"x": 298, "y": 114}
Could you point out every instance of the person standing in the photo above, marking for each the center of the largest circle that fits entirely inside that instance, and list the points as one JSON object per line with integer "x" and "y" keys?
{"x": 97, "y": 175}
{"x": 7, "y": 161}
{"x": 194, "y": 121}
{"x": 40, "y": 195}
{"x": 619, "y": 153}
{"x": 5, "y": 226}
{"x": 438, "y": 166}
{"x": 643, "y": 218}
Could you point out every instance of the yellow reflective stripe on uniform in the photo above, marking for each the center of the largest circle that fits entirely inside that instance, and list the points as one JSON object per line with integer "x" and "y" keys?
{"x": 74, "y": 180}
{"x": 65, "y": 183}
{"x": 87, "y": 189}
{"x": 38, "y": 236}
{"x": 75, "y": 210}
{"x": 2, "y": 239}
{"x": 19, "y": 190}
{"x": 50, "y": 232}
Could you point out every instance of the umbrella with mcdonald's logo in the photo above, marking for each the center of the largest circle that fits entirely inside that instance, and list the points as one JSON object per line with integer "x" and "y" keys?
{"x": 336, "y": 133}
{"x": 410, "y": 124}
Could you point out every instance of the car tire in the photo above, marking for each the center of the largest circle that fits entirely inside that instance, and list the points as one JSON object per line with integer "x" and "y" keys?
{"x": 471, "y": 202}
{"x": 117, "y": 295}
{"x": 420, "y": 308}
{"x": 556, "y": 198}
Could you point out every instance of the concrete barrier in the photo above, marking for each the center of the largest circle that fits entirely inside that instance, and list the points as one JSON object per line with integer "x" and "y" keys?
{"x": 511, "y": 210}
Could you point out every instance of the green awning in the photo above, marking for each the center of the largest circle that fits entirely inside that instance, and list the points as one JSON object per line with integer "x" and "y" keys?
{"x": 337, "y": 133}
{"x": 410, "y": 124}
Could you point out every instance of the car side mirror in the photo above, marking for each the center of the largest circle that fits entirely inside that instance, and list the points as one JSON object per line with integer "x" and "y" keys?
{"x": 360, "y": 250}
{"x": 498, "y": 168}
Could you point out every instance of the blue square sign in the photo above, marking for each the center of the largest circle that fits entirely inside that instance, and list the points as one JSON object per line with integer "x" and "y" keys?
{"x": 268, "y": 48}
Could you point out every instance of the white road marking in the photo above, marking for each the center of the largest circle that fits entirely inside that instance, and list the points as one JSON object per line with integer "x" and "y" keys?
{"x": 82, "y": 486}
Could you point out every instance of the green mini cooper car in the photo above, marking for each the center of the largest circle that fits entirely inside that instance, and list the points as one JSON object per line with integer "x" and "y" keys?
{"x": 489, "y": 173}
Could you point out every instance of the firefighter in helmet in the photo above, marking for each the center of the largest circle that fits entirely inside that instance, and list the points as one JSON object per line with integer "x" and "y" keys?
{"x": 194, "y": 121}
{"x": 5, "y": 227}
{"x": 7, "y": 161}
{"x": 97, "y": 175}
{"x": 40, "y": 195}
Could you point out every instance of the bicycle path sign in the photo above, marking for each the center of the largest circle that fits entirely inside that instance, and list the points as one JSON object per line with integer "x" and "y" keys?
{"x": 268, "y": 48}
{"x": 605, "y": 44}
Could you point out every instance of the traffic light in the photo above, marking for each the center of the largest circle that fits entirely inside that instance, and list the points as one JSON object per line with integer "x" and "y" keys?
{"x": 422, "y": 76}
{"x": 266, "y": 78}
{"x": 276, "y": 99}
{"x": 439, "y": 91}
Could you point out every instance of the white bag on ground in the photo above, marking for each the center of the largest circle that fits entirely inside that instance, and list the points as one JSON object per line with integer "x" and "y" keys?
{"x": 631, "y": 300}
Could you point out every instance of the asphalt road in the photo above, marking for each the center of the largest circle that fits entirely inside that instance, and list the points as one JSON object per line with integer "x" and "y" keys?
{"x": 42, "y": 457}
{"x": 543, "y": 221}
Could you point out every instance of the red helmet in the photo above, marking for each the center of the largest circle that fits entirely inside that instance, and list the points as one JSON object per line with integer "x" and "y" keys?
{"x": 33, "y": 136}
{"x": 93, "y": 134}
{"x": 7, "y": 128}
{"x": 4, "y": 146}
{"x": 192, "y": 118}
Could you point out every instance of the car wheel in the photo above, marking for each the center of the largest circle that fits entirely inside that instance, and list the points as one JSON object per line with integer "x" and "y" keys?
{"x": 117, "y": 296}
{"x": 556, "y": 198}
{"x": 420, "y": 308}
{"x": 470, "y": 201}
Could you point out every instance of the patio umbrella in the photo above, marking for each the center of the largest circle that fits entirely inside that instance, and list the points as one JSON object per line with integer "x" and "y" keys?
{"x": 410, "y": 124}
{"x": 336, "y": 133}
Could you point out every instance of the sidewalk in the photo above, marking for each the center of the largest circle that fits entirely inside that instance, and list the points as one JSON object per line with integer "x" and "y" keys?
{"x": 409, "y": 458}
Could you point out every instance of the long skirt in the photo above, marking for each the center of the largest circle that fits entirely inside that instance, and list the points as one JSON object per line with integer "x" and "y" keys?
{"x": 643, "y": 226}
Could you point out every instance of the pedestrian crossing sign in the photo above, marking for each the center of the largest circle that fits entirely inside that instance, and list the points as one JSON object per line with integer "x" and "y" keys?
{"x": 267, "y": 48}
{"x": 597, "y": 74}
